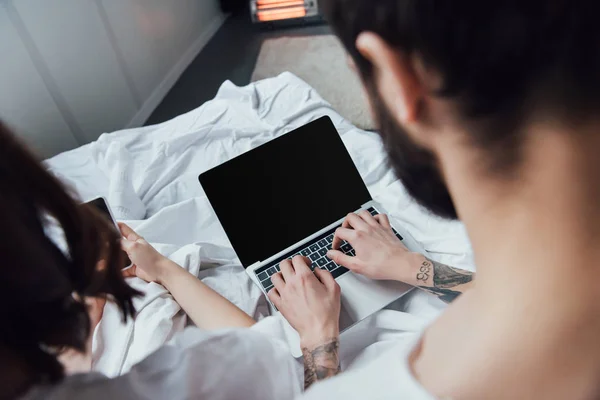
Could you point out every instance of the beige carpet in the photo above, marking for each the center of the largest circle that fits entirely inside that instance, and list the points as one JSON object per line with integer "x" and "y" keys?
{"x": 321, "y": 61}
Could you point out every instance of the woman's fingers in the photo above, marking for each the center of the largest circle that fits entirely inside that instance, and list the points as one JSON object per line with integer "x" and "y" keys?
{"x": 128, "y": 233}
{"x": 129, "y": 246}
{"x": 129, "y": 272}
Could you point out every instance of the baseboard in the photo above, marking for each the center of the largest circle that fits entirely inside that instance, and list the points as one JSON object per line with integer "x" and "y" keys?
{"x": 173, "y": 75}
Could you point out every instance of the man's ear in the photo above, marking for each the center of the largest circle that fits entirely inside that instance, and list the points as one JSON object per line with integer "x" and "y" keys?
{"x": 394, "y": 76}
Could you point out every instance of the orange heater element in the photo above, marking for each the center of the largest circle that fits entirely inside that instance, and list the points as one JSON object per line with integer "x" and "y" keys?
{"x": 264, "y": 4}
{"x": 274, "y": 10}
{"x": 273, "y": 15}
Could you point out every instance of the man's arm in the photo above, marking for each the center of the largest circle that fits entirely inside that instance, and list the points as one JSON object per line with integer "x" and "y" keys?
{"x": 311, "y": 304}
{"x": 442, "y": 280}
{"x": 321, "y": 362}
{"x": 381, "y": 255}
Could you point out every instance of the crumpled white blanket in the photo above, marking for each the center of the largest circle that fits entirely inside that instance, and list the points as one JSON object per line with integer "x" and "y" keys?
{"x": 150, "y": 177}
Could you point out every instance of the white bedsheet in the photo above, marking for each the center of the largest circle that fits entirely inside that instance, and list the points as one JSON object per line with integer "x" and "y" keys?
{"x": 150, "y": 177}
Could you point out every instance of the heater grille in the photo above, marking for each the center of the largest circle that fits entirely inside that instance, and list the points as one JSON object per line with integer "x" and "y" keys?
{"x": 276, "y": 10}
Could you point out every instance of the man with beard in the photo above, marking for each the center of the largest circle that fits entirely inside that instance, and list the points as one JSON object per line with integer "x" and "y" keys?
{"x": 489, "y": 113}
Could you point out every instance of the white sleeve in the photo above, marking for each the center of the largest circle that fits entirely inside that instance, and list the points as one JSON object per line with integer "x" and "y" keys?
{"x": 387, "y": 376}
{"x": 232, "y": 364}
{"x": 278, "y": 330}
{"x": 224, "y": 365}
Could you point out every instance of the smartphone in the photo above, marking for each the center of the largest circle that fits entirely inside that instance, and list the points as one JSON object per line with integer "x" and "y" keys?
{"x": 101, "y": 205}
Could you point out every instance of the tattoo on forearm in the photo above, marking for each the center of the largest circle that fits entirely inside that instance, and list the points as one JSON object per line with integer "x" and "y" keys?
{"x": 424, "y": 271}
{"x": 321, "y": 362}
{"x": 446, "y": 295}
{"x": 444, "y": 278}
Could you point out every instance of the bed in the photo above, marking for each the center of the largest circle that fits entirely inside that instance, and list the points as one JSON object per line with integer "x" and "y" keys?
{"x": 150, "y": 177}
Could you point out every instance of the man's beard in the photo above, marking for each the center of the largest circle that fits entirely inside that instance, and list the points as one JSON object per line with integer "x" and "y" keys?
{"x": 415, "y": 166}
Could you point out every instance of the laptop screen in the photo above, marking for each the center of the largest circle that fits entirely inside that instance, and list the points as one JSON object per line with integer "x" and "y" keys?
{"x": 279, "y": 193}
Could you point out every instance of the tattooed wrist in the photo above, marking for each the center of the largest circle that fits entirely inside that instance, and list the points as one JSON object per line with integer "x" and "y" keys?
{"x": 321, "y": 362}
{"x": 441, "y": 279}
{"x": 424, "y": 271}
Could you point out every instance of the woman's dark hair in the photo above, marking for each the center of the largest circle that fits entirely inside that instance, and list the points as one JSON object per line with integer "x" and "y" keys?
{"x": 42, "y": 307}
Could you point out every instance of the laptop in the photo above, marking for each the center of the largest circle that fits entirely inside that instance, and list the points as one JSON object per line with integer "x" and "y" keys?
{"x": 287, "y": 197}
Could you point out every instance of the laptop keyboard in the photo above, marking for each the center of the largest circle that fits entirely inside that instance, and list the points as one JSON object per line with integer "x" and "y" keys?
{"x": 316, "y": 250}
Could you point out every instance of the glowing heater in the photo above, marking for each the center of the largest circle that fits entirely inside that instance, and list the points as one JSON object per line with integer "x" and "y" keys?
{"x": 277, "y": 10}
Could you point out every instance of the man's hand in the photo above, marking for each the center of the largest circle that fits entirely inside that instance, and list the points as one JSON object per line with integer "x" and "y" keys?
{"x": 379, "y": 253}
{"x": 309, "y": 301}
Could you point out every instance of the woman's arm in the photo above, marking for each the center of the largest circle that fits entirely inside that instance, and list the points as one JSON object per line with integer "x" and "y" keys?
{"x": 206, "y": 308}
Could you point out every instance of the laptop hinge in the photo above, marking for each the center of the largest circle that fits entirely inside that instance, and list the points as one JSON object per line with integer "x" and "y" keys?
{"x": 306, "y": 240}
{"x": 256, "y": 264}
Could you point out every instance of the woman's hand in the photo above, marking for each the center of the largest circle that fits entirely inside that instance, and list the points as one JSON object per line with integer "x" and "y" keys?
{"x": 309, "y": 301}
{"x": 379, "y": 253}
{"x": 205, "y": 307}
{"x": 148, "y": 264}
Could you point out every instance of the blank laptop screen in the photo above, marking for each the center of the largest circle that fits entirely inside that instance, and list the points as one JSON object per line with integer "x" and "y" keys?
{"x": 279, "y": 193}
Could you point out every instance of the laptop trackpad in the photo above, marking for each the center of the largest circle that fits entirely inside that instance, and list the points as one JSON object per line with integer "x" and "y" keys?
{"x": 347, "y": 318}
{"x": 362, "y": 297}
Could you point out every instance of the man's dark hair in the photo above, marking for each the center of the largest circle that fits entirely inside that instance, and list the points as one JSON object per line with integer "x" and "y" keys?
{"x": 499, "y": 59}
{"x": 42, "y": 308}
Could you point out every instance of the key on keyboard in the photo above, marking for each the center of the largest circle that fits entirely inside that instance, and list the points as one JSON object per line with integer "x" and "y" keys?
{"x": 317, "y": 251}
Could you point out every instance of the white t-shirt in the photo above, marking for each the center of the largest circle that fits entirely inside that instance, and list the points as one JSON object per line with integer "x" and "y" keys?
{"x": 374, "y": 359}
{"x": 388, "y": 376}
{"x": 232, "y": 364}
{"x": 256, "y": 363}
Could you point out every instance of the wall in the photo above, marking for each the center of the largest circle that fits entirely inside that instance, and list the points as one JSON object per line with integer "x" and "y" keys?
{"x": 71, "y": 70}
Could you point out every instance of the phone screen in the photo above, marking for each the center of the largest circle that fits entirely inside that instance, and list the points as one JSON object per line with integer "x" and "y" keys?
{"x": 100, "y": 205}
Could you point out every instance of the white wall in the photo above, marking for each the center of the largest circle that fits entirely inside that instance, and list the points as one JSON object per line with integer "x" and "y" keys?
{"x": 71, "y": 70}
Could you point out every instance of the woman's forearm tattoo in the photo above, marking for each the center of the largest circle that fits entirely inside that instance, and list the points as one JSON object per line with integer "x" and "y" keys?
{"x": 322, "y": 362}
{"x": 444, "y": 278}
